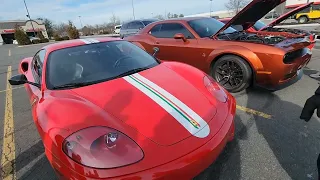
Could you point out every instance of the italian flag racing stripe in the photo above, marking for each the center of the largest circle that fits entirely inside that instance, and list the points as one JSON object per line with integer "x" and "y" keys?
{"x": 181, "y": 112}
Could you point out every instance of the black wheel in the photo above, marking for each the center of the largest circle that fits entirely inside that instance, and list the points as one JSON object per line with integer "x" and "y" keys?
{"x": 303, "y": 19}
{"x": 232, "y": 72}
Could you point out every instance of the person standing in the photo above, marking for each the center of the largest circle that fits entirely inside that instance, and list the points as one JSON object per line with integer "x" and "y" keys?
{"x": 312, "y": 104}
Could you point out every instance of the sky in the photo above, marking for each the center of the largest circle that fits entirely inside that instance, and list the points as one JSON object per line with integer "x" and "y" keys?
{"x": 99, "y": 11}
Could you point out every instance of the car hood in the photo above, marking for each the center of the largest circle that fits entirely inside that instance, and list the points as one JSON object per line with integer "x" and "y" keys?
{"x": 249, "y": 15}
{"x": 158, "y": 103}
{"x": 286, "y": 15}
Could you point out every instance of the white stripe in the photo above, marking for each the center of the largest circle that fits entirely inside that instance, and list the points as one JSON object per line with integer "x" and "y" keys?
{"x": 204, "y": 128}
{"x": 85, "y": 41}
{"x": 94, "y": 40}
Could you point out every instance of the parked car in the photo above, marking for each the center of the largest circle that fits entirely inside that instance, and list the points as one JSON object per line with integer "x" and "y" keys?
{"x": 268, "y": 29}
{"x": 235, "y": 59}
{"x": 272, "y": 15}
{"x": 133, "y": 27}
{"x": 106, "y": 109}
{"x": 310, "y": 13}
{"x": 117, "y": 29}
{"x": 33, "y": 39}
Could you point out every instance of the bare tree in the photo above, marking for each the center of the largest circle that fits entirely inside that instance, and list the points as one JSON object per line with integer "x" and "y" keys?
{"x": 236, "y": 5}
{"x": 114, "y": 19}
{"x": 160, "y": 17}
{"x": 60, "y": 29}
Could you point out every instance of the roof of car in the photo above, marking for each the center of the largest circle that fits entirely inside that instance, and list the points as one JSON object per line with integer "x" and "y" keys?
{"x": 150, "y": 19}
{"x": 77, "y": 42}
{"x": 183, "y": 19}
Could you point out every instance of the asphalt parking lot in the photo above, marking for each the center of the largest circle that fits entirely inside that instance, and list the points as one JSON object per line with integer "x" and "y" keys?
{"x": 271, "y": 141}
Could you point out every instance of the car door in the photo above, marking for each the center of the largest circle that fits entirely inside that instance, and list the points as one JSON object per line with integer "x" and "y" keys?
{"x": 171, "y": 49}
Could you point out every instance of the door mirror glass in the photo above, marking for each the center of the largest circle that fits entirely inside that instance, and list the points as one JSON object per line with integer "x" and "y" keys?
{"x": 180, "y": 36}
{"x": 21, "y": 79}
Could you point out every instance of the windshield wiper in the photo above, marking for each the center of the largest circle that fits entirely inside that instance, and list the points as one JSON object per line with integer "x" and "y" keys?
{"x": 81, "y": 84}
{"x": 73, "y": 85}
{"x": 132, "y": 72}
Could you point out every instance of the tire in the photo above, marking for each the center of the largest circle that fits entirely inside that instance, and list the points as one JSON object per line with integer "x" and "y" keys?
{"x": 232, "y": 72}
{"x": 303, "y": 19}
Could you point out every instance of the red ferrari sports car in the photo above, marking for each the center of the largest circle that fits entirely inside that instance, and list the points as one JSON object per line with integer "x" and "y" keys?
{"x": 105, "y": 108}
{"x": 268, "y": 29}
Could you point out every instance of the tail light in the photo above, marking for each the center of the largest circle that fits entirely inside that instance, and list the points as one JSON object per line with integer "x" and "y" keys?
{"x": 102, "y": 147}
{"x": 215, "y": 89}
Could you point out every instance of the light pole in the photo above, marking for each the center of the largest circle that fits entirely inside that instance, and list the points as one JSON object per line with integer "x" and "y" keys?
{"x": 133, "y": 10}
{"x": 210, "y": 7}
{"x": 80, "y": 21}
{"x": 25, "y": 4}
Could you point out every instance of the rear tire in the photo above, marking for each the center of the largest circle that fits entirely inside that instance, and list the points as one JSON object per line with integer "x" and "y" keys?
{"x": 232, "y": 72}
{"x": 303, "y": 19}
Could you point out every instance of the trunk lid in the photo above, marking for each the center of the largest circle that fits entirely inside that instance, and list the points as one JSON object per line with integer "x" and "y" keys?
{"x": 286, "y": 15}
{"x": 158, "y": 103}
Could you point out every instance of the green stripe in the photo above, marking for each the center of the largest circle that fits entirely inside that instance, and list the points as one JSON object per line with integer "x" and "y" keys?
{"x": 164, "y": 101}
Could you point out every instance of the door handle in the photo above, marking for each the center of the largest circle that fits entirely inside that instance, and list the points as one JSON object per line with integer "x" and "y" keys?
{"x": 157, "y": 42}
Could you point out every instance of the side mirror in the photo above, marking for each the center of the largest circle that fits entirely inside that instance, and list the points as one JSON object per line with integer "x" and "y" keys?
{"x": 180, "y": 36}
{"x": 155, "y": 51}
{"x": 21, "y": 79}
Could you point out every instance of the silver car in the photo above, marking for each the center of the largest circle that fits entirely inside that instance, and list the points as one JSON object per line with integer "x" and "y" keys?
{"x": 133, "y": 27}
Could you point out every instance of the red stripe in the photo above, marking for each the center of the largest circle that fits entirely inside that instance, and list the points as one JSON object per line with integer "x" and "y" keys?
{"x": 167, "y": 100}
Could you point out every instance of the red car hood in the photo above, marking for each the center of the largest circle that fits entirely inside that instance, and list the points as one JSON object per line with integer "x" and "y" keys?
{"x": 158, "y": 103}
{"x": 249, "y": 15}
{"x": 286, "y": 15}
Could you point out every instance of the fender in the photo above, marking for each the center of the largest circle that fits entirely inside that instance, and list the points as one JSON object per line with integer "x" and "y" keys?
{"x": 239, "y": 51}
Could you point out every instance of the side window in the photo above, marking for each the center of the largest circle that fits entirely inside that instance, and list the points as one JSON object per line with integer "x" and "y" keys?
{"x": 124, "y": 26}
{"x": 168, "y": 30}
{"x": 155, "y": 30}
{"x": 136, "y": 25}
{"x": 37, "y": 64}
{"x": 130, "y": 25}
{"x": 316, "y": 7}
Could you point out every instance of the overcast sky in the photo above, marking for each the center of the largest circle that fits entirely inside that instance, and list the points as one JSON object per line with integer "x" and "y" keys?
{"x": 99, "y": 11}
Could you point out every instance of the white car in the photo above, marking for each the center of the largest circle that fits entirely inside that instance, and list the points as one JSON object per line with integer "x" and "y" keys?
{"x": 117, "y": 29}
{"x": 33, "y": 38}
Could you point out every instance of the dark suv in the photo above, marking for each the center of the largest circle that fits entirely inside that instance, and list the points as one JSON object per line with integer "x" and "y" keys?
{"x": 133, "y": 27}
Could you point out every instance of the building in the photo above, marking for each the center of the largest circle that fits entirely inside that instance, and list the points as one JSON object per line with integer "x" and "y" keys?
{"x": 217, "y": 14}
{"x": 31, "y": 27}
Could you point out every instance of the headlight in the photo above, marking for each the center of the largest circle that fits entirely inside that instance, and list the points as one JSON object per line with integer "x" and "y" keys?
{"x": 215, "y": 89}
{"x": 102, "y": 147}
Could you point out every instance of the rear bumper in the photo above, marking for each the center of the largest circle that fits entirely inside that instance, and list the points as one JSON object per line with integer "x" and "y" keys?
{"x": 185, "y": 167}
{"x": 283, "y": 75}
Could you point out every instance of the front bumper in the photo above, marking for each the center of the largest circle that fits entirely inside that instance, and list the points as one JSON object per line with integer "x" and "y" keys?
{"x": 282, "y": 75}
{"x": 185, "y": 167}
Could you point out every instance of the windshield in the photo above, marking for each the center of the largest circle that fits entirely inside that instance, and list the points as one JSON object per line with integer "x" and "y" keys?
{"x": 259, "y": 25}
{"x": 95, "y": 63}
{"x": 208, "y": 26}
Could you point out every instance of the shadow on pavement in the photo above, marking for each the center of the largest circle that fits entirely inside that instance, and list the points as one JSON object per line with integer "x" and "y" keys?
{"x": 294, "y": 143}
{"x": 228, "y": 162}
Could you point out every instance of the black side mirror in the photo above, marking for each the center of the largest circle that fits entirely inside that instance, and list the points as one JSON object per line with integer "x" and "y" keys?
{"x": 155, "y": 51}
{"x": 21, "y": 79}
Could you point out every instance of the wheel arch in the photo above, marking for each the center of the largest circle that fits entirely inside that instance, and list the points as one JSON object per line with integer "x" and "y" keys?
{"x": 253, "y": 70}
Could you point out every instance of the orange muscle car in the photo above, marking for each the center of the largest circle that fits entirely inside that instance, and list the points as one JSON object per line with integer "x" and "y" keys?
{"x": 234, "y": 59}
